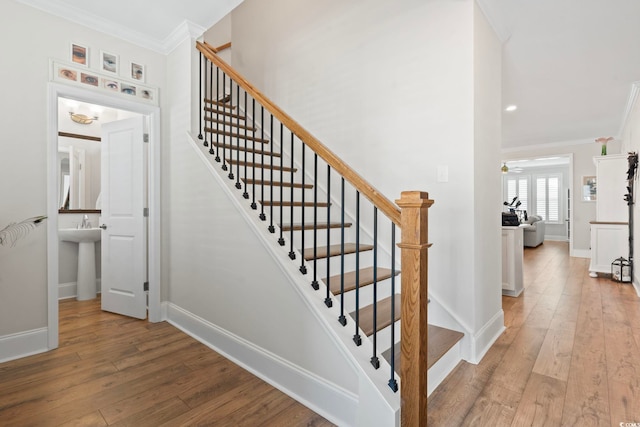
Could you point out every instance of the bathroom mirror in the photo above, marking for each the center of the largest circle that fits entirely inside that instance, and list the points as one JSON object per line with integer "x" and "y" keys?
{"x": 79, "y": 174}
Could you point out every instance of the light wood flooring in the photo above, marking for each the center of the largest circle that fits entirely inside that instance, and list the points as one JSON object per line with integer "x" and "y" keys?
{"x": 116, "y": 371}
{"x": 569, "y": 357}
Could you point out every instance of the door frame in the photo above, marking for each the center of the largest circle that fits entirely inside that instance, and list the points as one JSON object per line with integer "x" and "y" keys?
{"x": 55, "y": 91}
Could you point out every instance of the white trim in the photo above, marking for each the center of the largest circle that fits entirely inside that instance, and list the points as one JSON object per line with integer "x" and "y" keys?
{"x": 70, "y": 289}
{"x": 487, "y": 336}
{"x": 186, "y": 30}
{"x": 631, "y": 102}
{"x": 56, "y": 90}
{"x": 545, "y": 146}
{"x": 636, "y": 286}
{"x": 327, "y": 399}
{"x": 22, "y": 344}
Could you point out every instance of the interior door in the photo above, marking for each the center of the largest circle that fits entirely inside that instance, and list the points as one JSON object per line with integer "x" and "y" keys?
{"x": 124, "y": 236}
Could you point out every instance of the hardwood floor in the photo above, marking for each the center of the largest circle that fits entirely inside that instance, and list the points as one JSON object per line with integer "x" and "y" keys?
{"x": 116, "y": 371}
{"x": 569, "y": 357}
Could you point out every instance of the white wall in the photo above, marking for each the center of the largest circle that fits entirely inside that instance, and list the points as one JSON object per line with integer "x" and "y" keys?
{"x": 28, "y": 39}
{"x": 389, "y": 87}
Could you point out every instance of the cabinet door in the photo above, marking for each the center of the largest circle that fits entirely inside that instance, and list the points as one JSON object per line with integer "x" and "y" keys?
{"x": 611, "y": 188}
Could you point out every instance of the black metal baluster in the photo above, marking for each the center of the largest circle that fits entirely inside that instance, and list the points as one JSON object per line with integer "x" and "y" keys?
{"x": 231, "y": 176}
{"x": 303, "y": 268}
{"x": 315, "y": 285}
{"x": 214, "y": 102}
{"x": 207, "y": 112}
{"x": 281, "y": 239}
{"x": 262, "y": 216}
{"x": 211, "y": 150}
{"x": 224, "y": 138}
{"x": 393, "y": 384}
{"x": 253, "y": 156}
{"x": 292, "y": 253}
{"x": 238, "y": 184}
{"x": 356, "y": 336}
{"x": 374, "y": 358}
{"x": 245, "y": 194}
{"x": 271, "y": 228}
{"x": 327, "y": 300}
{"x": 200, "y": 98}
{"x": 342, "y": 319}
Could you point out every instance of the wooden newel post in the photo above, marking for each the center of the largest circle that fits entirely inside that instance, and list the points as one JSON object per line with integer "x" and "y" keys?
{"x": 413, "y": 360}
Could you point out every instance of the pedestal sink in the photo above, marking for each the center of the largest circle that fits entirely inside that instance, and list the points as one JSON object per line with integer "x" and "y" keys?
{"x": 86, "y": 239}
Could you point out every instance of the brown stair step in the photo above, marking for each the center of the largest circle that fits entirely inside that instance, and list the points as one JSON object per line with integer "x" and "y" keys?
{"x": 289, "y": 203}
{"x": 383, "y": 315}
{"x": 226, "y": 123}
{"x": 224, "y": 113}
{"x": 440, "y": 341}
{"x": 309, "y": 226}
{"x": 275, "y": 183}
{"x": 260, "y": 165}
{"x": 224, "y": 103}
{"x": 237, "y": 135}
{"x": 366, "y": 278}
{"x": 247, "y": 149}
{"x": 334, "y": 250}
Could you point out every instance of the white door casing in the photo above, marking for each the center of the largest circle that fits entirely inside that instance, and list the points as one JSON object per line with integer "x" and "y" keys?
{"x": 124, "y": 236}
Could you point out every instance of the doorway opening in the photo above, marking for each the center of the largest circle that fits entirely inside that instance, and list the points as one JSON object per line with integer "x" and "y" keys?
{"x": 77, "y": 195}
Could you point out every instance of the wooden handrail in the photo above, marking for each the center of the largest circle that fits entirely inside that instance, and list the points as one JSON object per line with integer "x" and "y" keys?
{"x": 385, "y": 205}
{"x": 221, "y": 47}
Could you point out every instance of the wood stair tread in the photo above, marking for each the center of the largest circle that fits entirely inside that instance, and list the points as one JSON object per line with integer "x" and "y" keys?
{"x": 334, "y": 250}
{"x": 261, "y": 165}
{"x": 247, "y": 149}
{"x": 289, "y": 203}
{"x": 309, "y": 226}
{"x": 366, "y": 278}
{"x": 439, "y": 343}
{"x": 383, "y": 315}
{"x": 224, "y": 113}
{"x": 276, "y": 183}
{"x": 236, "y": 135}
{"x": 231, "y": 124}
{"x": 222, "y": 103}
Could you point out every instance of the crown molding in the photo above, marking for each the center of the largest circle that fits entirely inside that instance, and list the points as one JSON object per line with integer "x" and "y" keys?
{"x": 501, "y": 31}
{"x": 631, "y": 102}
{"x": 95, "y": 22}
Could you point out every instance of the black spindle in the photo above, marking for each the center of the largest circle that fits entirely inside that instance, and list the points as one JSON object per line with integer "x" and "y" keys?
{"x": 245, "y": 194}
{"x": 342, "y": 319}
{"x": 214, "y": 101}
{"x": 223, "y": 101}
{"x": 303, "y": 268}
{"x": 238, "y": 185}
{"x": 356, "y": 336}
{"x": 292, "y": 253}
{"x": 315, "y": 285}
{"x": 231, "y": 150}
{"x": 327, "y": 300}
{"x": 271, "y": 228}
{"x": 281, "y": 239}
{"x": 262, "y": 216}
{"x": 207, "y": 113}
{"x": 211, "y": 150}
{"x": 200, "y": 99}
{"x": 374, "y": 358}
{"x": 393, "y": 384}
{"x": 253, "y": 156}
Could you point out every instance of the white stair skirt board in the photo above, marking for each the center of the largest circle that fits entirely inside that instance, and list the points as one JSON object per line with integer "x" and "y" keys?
{"x": 330, "y": 401}
{"x": 23, "y": 344}
{"x": 439, "y": 371}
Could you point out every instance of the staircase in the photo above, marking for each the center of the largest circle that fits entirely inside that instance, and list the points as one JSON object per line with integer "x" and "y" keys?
{"x": 340, "y": 231}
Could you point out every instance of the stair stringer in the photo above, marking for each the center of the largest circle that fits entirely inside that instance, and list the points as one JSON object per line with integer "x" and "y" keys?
{"x": 375, "y": 403}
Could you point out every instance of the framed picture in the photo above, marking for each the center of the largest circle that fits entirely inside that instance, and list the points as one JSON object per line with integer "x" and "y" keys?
{"x": 137, "y": 72}
{"x": 109, "y": 62}
{"x": 111, "y": 84}
{"x": 89, "y": 79}
{"x": 79, "y": 54}
{"x": 68, "y": 73}
{"x": 589, "y": 187}
{"x": 128, "y": 89}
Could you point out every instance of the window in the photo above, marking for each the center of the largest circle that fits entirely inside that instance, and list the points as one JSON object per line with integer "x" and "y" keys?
{"x": 548, "y": 197}
{"x": 518, "y": 186}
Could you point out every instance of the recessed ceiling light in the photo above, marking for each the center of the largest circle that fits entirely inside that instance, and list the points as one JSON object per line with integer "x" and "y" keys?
{"x": 511, "y": 108}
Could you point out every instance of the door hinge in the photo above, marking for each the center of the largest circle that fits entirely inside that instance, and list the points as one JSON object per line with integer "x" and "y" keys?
{"x": 145, "y": 212}
{"x": 145, "y": 137}
{"x": 146, "y": 286}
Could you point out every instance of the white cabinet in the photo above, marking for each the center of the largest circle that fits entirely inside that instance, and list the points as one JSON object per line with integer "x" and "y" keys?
{"x": 610, "y": 230}
{"x": 512, "y": 282}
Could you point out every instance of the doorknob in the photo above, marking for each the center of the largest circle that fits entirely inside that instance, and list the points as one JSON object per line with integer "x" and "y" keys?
{"x": 104, "y": 227}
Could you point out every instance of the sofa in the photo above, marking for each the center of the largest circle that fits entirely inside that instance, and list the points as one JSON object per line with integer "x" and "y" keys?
{"x": 534, "y": 232}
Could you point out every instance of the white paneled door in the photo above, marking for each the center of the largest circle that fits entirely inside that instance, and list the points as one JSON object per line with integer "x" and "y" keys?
{"x": 124, "y": 235}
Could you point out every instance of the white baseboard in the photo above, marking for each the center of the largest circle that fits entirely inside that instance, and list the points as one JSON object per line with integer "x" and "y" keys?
{"x": 23, "y": 344}
{"x": 486, "y": 336}
{"x": 70, "y": 289}
{"x": 327, "y": 399}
